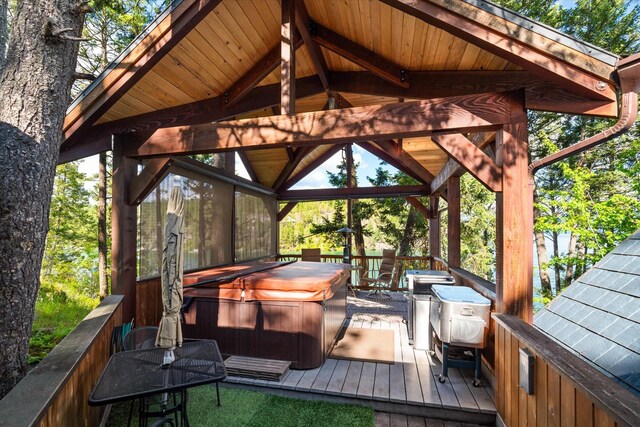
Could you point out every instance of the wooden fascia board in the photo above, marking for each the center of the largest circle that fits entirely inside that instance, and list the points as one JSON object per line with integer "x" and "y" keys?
{"x": 470, "y": 157}
{"x": 417, "y": 204}
{"x": 143, "y": 184}
{"x": 247, "y": 165}
{"x": 256, "y": 74}
{"x": 167, "y": 34}
{"x": 205, "y": 111}
{"x": 360, "y": 55}
{"x": 317, "y": 58}
{"x": 285, "y": 210}
{"x": 97, "y": 145}
{"x": 508, "y": 47}
{"x": 317, "y": 162}
{"x": 540, "y": 94}
{"x": 353, "y": 193}
{"x": 351, "y": 125}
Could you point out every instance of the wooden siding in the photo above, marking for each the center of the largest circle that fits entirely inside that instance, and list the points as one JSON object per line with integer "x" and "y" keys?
{"x": 567, "y": 390}
{"x": 55, "y": 392}
{"x": 148, "y": 302}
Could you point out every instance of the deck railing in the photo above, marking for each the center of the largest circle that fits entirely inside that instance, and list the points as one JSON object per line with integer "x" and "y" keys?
{"x": 55, "y": 393}
{"x": 369, "y": 266}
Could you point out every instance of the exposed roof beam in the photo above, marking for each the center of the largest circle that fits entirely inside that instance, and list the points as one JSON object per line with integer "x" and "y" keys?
{"x": 417, "y": 204}
{"x": 285, "y": 210}
{"x": 288, "y": 58}
{"x": 509, "y": 47}
{"x": 247, "y": 165}
{"x": 360, "y": 55}
{"x": 470, "y": 157}
{"x": 306, "y": 170}
{"x": 154, "y": 171}
{"x": 291, "y": 165}
{"x": 105, "y": 91}
{"x": 351, "y": 125}
{"x": 540, "y": 94}
{"x": 453, "y": 168}
{"x": 319, "y": 63}
{"x": 208, "y": 110}
{"x": 392, "y": 160}
{"x": 256, "y": 74}
{"x": 354, "y": 193}
{"x": 97, "y": 145}
{"x": 394, "y": 150}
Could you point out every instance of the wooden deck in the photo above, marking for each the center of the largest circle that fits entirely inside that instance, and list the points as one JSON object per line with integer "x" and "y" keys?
{"x": 407, "y": 387}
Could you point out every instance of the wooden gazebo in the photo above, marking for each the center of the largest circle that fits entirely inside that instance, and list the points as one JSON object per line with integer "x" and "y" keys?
{"x": 433, "y": 87}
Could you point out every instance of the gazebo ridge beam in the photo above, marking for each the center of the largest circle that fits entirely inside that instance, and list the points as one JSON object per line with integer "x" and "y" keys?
{"x": 505, "y": 46}
{"x": 351, "y": 125}
{"x": 541, "y": 95}
{"x": 353, "y": 193}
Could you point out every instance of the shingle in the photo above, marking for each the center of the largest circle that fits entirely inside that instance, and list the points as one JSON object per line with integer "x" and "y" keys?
{"x": 632, "y": 247}
{"x": 577, "y": 311}
{"x": 611, "y": 357}
{"x": 598, "y": 321}
{"x": 632, "y": 287}
{"x": 612, "y": 280}
{"x": 589, "y": 294}
{"x": 616, "y": 328}
{"x": 627, "y": 366}
{"x": 606, "y": 300}
{"x": 556, "y": 305}
{"x": 593, "y": 346}
{"x": 632, "y": 267}
{"x": 628, "y": 306}
{"x": 628, "y": 335}
{"x": 590, "y": 276}
{"x": 635, "y": 345}
{"x": 546, "y": 320}
{"x": 572, "y": 290}
{"x": 558, "y": 329}
{"x": 615, "y": 262}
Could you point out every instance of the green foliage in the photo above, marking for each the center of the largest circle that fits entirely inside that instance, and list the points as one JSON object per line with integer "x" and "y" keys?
{"x": 477, "y": 227}
{"x": 249, "y": 408}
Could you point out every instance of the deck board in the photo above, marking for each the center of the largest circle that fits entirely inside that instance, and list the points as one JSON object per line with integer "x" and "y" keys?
{"x": 411, "y": 380}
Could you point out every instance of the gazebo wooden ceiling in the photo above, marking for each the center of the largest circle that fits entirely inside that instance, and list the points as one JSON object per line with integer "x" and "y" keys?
{"x": 208, "y": 61}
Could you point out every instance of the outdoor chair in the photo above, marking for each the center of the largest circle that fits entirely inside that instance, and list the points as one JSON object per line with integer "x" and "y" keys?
{"x": 311, "y": 254}
{"x": 386, "y": 275}
{"x": 139, "y": 339}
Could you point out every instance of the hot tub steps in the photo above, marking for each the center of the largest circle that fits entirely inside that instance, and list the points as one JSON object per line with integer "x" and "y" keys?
{"x": 261, "y": 369}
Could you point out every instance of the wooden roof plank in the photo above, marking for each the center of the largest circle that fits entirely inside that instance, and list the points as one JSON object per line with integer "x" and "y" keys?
{"x": 107, "y": 91}
{"x": 507, "y": 46}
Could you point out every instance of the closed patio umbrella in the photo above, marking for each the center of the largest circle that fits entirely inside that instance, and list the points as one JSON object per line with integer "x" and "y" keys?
{"x": 170, "y": 331}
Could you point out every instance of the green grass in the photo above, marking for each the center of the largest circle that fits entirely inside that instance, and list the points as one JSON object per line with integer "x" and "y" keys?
{"x": 57, "y": 313}
{"x": 249, "y": 408}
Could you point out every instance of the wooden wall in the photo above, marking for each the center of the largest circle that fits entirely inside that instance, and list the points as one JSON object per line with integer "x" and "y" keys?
{"x": 567, "y": 390}
{"x": 148, "y": 302}
{"x": 55, "y": 393}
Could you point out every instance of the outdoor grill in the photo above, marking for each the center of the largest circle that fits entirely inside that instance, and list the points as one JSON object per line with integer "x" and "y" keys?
{"x": 460, "y": 317}
{"x": 419, "y": 283}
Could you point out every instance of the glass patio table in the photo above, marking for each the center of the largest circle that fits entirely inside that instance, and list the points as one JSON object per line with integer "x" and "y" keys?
{"x": 139, "y": 373}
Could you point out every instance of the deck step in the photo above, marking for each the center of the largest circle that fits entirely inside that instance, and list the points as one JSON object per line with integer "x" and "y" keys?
{"x": 261, "y": 369}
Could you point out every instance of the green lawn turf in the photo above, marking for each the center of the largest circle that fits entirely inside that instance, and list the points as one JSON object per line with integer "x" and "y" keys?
{"x": 249, "y": 408}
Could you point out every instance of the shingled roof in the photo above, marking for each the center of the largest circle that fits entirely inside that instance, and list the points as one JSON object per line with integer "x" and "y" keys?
{"x": 598, "y": 316}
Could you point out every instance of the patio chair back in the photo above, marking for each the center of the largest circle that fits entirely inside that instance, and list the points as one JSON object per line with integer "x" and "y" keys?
{"x": 140, "y": 338}
{"x": 388, "y": 262}
{"x": 311, "y": 254}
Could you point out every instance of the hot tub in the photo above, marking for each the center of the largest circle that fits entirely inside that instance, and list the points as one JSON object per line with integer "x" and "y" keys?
{"x": 289, "y": 312}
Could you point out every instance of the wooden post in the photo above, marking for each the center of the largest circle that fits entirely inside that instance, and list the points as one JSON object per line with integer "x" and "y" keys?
{"x": 123, "y": 231}
{"x": 434, "y": 228}
{"x": 514, "y": 219}
{"x": 288, "y": 59}
{"x": 453, "y": 221}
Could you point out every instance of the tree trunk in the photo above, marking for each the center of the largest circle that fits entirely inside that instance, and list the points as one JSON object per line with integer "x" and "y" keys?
{"x": 580, "y": 255}
{"x": 568, "y": 276}
{"x": 35, "y": 84}
{"x": 4, "y": 13}
{"x": 541, "y": 249}
{"x": 556, "y": 266}
{"x": 407, "y": 236}
{"x": 102, "y": 225}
